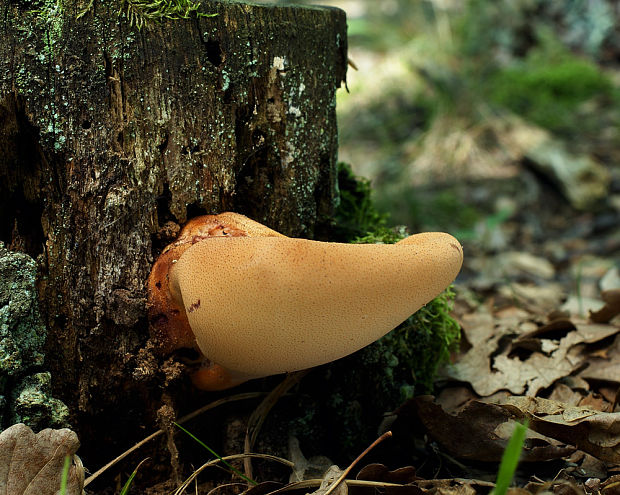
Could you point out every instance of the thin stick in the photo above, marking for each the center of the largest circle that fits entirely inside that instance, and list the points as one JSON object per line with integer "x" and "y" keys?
{"x": 229, "y": 458}
{"x": 212, "y": 405}
{"x": 346, "y": 472}
{"x": 298, "y": 485}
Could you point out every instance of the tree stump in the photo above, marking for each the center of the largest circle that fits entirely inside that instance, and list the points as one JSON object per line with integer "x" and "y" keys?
{"x": 111, "y": 136}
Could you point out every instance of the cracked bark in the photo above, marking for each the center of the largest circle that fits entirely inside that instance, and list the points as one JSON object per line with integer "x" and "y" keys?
{"x": 108, "y": 132}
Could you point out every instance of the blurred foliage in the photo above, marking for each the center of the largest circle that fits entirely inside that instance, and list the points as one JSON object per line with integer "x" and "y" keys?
{"x": 444, "y": 210}
{"x": 507, "y": 29}
{"x": 454, "y": 66}
{"x": 548, "y": 87}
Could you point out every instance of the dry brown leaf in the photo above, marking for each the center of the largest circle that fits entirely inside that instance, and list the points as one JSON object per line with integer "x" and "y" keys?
{"x": 594, "y": 401}
{"x": 559, "y": 487}
{"x": 594, "y": 432}
{"x": 586, "y": 465}
{"x": 504, "y": 357}
{"x": 611, "y": 486}
{"x": 605, "y": 367}
{"x": 331, "y": 476}
{"x": 305, "y": 469}
{"x": 537, "y": 299}
{"x": 611, "y": 308}
{"x": 404, "y": 476}
{"x": 481, "y": 431}
{"x": 565, "y": 394}
{"x": 263, "y": 488}
{"x": 33, "y": 464}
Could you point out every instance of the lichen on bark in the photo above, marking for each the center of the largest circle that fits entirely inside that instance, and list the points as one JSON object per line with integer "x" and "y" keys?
{"x": 25, "y": 390}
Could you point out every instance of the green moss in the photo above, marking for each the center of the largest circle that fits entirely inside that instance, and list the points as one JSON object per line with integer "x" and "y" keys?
{"x": 138, "y": 12}
{"x": 141, "y": 12}
{"x": 49, "y": 13}
{"x": 424, "y": 342}
{"x": 356, "y": 215}
{"x": 550, "y": 90}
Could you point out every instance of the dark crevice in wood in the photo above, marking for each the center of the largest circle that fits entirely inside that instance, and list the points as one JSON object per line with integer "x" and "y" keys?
{"x": 163, "y": 206}
{"x": 194, "y": 210}
{"x": 214, "y": 52}
{"x": 21, "y": 164}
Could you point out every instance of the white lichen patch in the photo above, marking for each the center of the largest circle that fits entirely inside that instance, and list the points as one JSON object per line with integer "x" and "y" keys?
{"x": 288, "y": 156}
{"x": 294, "y": 111}
{"x": 279, "y": 63}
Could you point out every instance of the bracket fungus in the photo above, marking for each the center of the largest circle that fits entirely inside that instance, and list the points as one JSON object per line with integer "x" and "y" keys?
{"x": 255, "y": 303}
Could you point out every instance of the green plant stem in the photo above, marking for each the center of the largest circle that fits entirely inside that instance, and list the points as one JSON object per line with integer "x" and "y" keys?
{"x": 65, "y": 475}
{"x": 236, "y": 471}
{"x": 510, "y": 459}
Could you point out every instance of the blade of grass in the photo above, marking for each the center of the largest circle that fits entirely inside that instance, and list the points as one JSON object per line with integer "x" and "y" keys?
{"x": 510, "y": 459}
{"x": 127, "y": 484}
{"x": 65, "y": 475}
{"x": 236, "y": 471}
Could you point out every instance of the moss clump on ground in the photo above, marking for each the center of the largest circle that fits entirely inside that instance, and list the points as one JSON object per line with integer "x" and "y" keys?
{"x": 356, "y": 215}
{"x": 549, "y": 91}
{"x": 22, "y": 333}
{"x": 424, "y": 342}
{"x": 32, "y": 403}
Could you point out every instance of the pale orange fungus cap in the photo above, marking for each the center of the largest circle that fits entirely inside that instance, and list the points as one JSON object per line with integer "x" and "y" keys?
{"x": 270, "y": 304}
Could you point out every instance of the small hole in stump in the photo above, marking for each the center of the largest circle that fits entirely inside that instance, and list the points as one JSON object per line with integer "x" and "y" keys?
{"x": 214, "y": 52}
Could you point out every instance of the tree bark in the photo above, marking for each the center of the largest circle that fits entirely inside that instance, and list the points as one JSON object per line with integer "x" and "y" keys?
{"x": 108, "y": 132}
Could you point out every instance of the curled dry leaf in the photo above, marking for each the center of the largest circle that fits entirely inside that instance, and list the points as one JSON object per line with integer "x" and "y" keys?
{"x": 480, "y": 431}
{"x": 610, "y": 310}
{"x": 504, "y": 357}
{"x": 33, "y": 464}
{"x": 400, "y": 481}
{"x": 605, "y": 365}
{"x": 263, "y": 488}
{"x": 305, "y": 469}
{"x": 594, "y": 432}
{"x": 455, "y": 486}
{"x": 332, "y": 474}
{"x": 611, "y": 486}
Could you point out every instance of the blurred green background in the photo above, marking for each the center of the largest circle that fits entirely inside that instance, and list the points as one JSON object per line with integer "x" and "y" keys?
{"x": 459, "y": 107}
